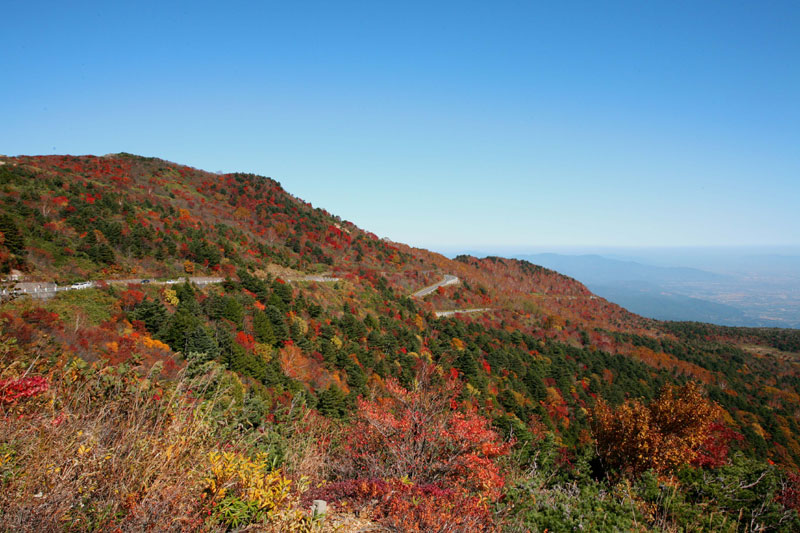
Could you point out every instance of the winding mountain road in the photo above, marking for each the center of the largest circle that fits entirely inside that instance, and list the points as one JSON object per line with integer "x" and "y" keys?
{"x": 41, "y": 289}
{"x": 448, "y": 279}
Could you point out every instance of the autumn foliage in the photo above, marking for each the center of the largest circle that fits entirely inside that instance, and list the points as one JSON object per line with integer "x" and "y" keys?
{"x": 14, "y": 390}
{"x": 405, "y": 506}
{"x": 427, "y": 462}
{"x": 421, "y": 435}
{"x": 661, "y": 436}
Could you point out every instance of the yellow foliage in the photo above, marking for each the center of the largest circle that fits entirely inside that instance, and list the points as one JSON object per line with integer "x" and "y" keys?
{"x": 171, "y": 297}
{"x": 264, "y": 351}
{"x": 241, "y": 213}
{"x": 337, "y": 342}
{"x": 301, "y": 324}
{"x": 472, "y": 391}
{"x": 662, "y": 435}
{"x": 252, "y": 480}
{"x": 758, "y": 429}
{"x": 153, "y": 343}
{"x": 457, "y": 344}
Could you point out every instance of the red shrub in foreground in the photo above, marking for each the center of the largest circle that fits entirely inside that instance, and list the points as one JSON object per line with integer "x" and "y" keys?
{"x": 13, "y": 390}
{"x": 420, "y": 435}
{"x": 409, "y": 507}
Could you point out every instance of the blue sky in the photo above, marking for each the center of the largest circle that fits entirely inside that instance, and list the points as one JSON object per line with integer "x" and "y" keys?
{"x": 440, "y": 124}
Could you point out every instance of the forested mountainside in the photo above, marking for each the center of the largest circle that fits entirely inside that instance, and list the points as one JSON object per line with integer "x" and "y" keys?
{"x": 308, "y": 370}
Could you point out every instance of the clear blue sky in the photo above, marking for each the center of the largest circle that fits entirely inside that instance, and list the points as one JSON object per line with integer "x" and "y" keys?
{"x": 435, "y": 123}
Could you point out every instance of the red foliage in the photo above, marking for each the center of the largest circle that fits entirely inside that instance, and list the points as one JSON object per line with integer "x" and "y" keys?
{"x": 14, "y": 390}
{"x": 245, "y": 341}
{"x": 789, "y": 495}
{"x": 713, "y": 453}
{"x": 130, "y": 298}
{"x": 41, "y": 317}
{"x": 420, "y": 434}
{"x": 410, "y": 507}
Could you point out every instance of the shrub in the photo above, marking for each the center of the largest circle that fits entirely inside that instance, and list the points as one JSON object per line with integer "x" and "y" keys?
{"x": 239, "y": 491}
{"x": 421, "y": 435}
{"x": 661, "y": 436}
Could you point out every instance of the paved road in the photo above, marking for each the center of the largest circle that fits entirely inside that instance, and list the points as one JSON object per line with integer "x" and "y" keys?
{"x": 452, "y": 312}
{"x": 320, "y": 279}
{"x": 448, "y": 279}
{"x": 41, "y": 289}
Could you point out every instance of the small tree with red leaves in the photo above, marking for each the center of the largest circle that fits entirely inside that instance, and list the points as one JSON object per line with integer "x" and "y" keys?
{"x": 713, "y": 452}
{"x": 422, "y": 435}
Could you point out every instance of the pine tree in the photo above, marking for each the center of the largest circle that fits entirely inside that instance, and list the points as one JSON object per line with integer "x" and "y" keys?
{"x": 279, "y": 326}
{"x": 13, "y": 238}
{"x": 262, "y": 327}
{"x": 233, "y": 310}
{"x": 152, "y": 313}
{"x": 332, "y": 402}
{"x": 200, "y": 341}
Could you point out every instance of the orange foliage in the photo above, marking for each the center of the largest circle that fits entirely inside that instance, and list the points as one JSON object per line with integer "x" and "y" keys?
{"x": 661, "y": 436}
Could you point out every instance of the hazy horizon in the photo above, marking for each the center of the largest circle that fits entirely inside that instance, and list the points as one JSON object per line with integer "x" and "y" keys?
{"x": 757, "y": 286}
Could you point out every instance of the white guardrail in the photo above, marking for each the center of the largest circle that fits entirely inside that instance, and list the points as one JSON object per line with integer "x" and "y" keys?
{"x": 44, "y": 290}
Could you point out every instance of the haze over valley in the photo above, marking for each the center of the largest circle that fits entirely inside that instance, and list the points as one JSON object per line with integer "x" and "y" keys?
{"x": 730, "y": 286}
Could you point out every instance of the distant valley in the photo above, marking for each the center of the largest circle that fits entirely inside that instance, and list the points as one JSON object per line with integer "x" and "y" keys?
{"x": 752, "y": 290}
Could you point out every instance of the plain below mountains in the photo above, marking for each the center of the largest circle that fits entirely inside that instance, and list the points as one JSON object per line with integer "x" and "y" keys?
{"x": 667, "y": 293}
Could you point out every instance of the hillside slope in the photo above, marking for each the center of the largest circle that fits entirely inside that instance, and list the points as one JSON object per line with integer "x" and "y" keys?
{"x": 535, "y": 362}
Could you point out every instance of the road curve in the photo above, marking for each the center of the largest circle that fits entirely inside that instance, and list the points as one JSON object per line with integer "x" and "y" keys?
{"x": 318, "y": 279}
{"x": 452, "y": 312}
{"x": 448, "y": 279}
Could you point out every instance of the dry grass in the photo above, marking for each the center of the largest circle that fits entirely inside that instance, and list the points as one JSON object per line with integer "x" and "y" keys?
{"x": 102, "y": 451}
{"x": 110, "y": 450}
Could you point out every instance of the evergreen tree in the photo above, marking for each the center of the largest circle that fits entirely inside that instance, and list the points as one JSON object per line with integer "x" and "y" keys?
{"x": 200, "y": 341}
{"x": 283, "y": 291}
{"x": 186, "y": 295}
{"x": 13, "y": 239}
{"x": 102, "y": 253}
{"x": 279, "y": 327}
{"x": 178, "y": 328}
{"x": 262, "y": 328}
{"x": 233, "y": 310}
{"x": 214, "y": 306}
{"x": 332, "y": 402}
{"x": 151, "y": 312}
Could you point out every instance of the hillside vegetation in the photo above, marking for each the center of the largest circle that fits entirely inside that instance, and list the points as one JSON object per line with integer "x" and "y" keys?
{"x": 149, "y": 406}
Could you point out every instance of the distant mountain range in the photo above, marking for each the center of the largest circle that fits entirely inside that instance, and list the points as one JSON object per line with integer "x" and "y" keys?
{"x": 597, "y": 270}
{"x": 680, "y": 293}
